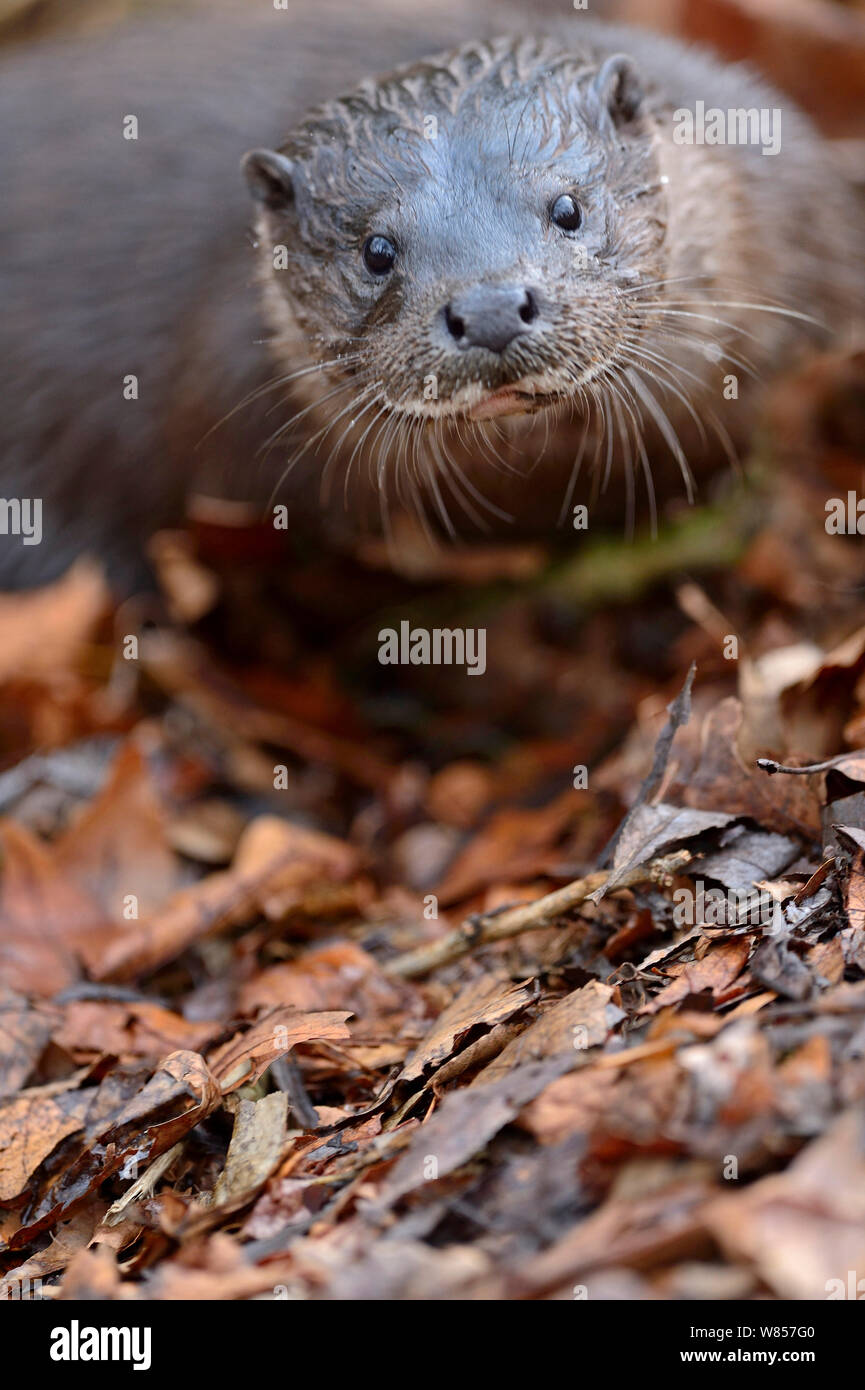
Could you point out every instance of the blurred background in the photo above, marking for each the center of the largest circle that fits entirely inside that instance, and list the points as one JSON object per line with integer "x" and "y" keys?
{"x": 814, "y": 49}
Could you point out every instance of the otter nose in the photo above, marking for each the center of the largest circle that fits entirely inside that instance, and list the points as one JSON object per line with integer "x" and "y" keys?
{"x": 490, "y": 316}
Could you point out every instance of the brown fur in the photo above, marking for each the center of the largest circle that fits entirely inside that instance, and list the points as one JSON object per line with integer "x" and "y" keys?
{"x": 133, "y": 257}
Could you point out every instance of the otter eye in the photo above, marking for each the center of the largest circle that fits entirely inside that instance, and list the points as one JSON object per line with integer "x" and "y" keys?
{"x": 566, "y": 213}
{"x": 379, "y": 255}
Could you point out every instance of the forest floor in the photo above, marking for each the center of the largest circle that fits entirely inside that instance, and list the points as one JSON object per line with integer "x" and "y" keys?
{"x": 337, "y": 984}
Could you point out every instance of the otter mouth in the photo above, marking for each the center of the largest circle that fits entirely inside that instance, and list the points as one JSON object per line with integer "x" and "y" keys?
{"x": 509, "y": 400}
{"x": 523, "y": 397}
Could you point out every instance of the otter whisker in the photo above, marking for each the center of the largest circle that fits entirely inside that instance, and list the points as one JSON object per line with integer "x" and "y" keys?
{"x": 599, "y": 435}
{"x": 349, "y": 409}
{"x": 678, "y": 336}
{"x": 308, "y": 443}
{"x": 613, "y": 401}
{"x": 381, "y": 413}
{"x": 609, "y": 436}
{"x": 457, "y": 479}
{"x": 356, "y": 410}
{"x": 661, "y": 376}
{"x": 668, "y": 280}
{"x": 414, "y": 478}
{"x": 275, "y": 382}
{"x": 717, "y": 426}
{"x": 765, "y": 306}
{"x": 705, "y": 318}
{"x": 457, "y": 492}
{"x": 662, "y": 420}
{"x": 350, "y": 380}
{"x": 739, "y": 304}
{"x": 432, "y": 479}
{"x": 296, "y": 416}
{"x": 647, "y": 472}
{"x": 572, "y": 481}
{"x": 489, "y": 453}
{"x": 460, "y": 485}
{"x": 624, "y": 399}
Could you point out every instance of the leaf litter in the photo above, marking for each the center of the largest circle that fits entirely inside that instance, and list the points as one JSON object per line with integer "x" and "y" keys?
{"x": 313, "y": 987}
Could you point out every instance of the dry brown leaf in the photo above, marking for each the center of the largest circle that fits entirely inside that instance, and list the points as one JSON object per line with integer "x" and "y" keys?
{"x": 722, "y": 781}
{"x": 306, "y": 858}
{"x": 580, "y": 1021}
{"x": 570, "y": 1104}
{"x": 717, "y": 969}
{"x": 31, "y": 1127}
{"x": 24, "y": 1032}
{"x": 275, "y": 864}
{"x": 43, "y": 631}
{"x": 804, "y": 1228}
{"x": 43, "y": 916}
{"x": 72, "y": 1236}
{"x": 66, "y": 904}
{"x": 485, "y": 1001}
{"x": 118, "y": 848}
{"x": 181, "y": 1092}
{"x": 340, "y": 974}
{"x": 464, "y": 1124}
{"x": 137, "y": 1028}
{"x": 854, "y": 893}
{"x": 518, "y": 840}
{"x": 245, "y": 1058}
{"x": 257, "y": 1144}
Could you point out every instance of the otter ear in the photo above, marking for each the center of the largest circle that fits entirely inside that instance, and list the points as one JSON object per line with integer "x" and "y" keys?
{"x": 270, "y": 177}
{"x": 617, "y": 91}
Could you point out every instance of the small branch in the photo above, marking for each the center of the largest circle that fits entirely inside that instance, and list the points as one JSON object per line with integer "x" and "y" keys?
{"x": 482, "y": 929}
{"x": 145, "y": 1185}
{"x": 679, "y": 711}
{"x": 771, "y": 766}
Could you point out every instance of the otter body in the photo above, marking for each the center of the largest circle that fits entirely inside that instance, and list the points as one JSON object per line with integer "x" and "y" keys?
{"x": 485, "y": 287}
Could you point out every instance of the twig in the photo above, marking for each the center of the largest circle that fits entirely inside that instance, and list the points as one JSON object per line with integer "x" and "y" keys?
{"x": 771, "y": 766}
{"x": 679, "y": 711}
{"x": 481, "y": 929}
{"x": 145, "y": 1186}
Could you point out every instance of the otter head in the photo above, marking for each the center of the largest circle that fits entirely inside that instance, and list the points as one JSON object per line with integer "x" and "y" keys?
{"x": 456, "y": 237}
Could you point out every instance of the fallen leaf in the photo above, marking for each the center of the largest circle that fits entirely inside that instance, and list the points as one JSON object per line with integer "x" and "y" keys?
{"x": 257, "y": 1144}
{"x": 42, "y": 631}
{"x": 245, "y": 1058}
{"x": 98, "y": 1028}
{"x": 180, "y": 1093}
{"x": 717, "y": 969}
{"x": 776, "y": 966}
{"x": 339, "y": 974}
{"x": 802, "y": 1229}
{"x": 651, "y": 829}
{"x": 464, "y": 1124}
{"x": 582, "y": 1020}
{"x": 31, "y": 1128}
{"x": 520, "y": 839}
{"x": 24, "y": 1032}
{"x": 485, "y": 1001}
{"x": 275, "y": 864}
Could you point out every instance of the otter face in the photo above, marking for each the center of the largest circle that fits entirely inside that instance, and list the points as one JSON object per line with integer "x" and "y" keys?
{"x": 457, "y": 238}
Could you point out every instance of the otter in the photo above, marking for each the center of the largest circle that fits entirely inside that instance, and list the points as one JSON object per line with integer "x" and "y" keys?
{"x": 485, "y": 288}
